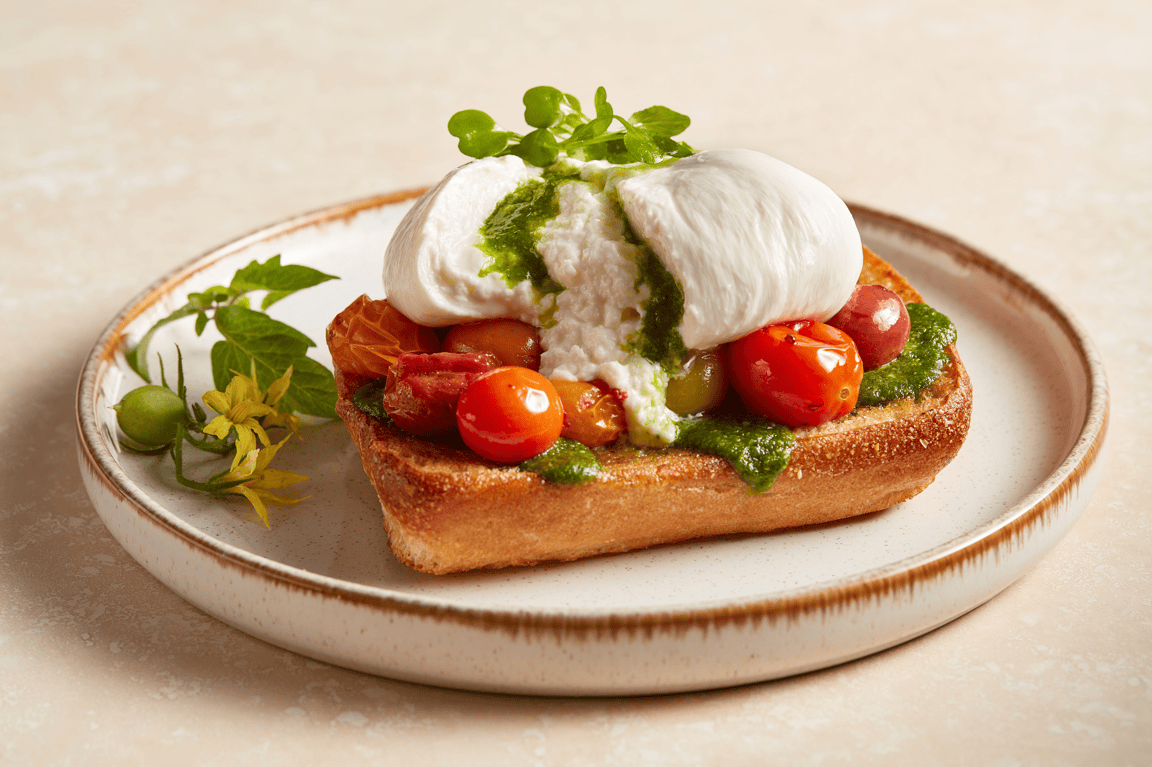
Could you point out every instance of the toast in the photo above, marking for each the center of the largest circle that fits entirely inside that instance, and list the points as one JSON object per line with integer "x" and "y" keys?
{"x": 448, "y": 510}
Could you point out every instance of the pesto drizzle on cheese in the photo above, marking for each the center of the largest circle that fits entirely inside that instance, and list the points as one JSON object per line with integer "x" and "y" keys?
{"x": 659, "y": 339}
{"x": 508, "y": 236}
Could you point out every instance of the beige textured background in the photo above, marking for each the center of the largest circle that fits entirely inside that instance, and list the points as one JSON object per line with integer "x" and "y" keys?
{"x": 134, "y": 136}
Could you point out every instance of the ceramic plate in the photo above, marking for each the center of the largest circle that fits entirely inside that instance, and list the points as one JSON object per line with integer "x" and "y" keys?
{"x": 693, "y": 616}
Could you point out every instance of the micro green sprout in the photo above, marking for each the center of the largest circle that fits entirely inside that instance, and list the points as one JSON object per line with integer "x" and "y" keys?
{"x": 560, "y": 127}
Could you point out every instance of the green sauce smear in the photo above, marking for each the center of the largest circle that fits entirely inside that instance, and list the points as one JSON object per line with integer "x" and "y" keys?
{"x": 758, "y": 450}
{"x": 658, "y": 339}
{"x": 508, "y": 236}
{"x": 565, "y": 463}
{"x": 918, "y": 365}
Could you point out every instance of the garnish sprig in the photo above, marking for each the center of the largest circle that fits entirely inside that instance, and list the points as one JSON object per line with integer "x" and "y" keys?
{"x": 561, "y": 128}
{"x": 252, "y": 339}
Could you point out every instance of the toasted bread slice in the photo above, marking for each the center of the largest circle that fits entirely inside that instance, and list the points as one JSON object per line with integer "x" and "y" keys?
{"x": 448, "y": 510}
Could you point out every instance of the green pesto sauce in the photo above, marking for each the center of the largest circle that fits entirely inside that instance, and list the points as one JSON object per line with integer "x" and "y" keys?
{"x": 370, "y": 399}
{"x": 508, "y": 236}
{"x": 758, "y": 450}
{"x": 658, "y": 339}
{"x": 565, "y": 463}
{"x": 917, "y": 366}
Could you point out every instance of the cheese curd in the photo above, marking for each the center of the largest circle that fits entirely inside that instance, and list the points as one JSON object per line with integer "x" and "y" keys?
{"x": 600, "y": 308}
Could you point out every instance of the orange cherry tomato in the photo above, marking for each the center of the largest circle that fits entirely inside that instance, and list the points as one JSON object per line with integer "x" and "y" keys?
{"x": 592, "y": 415}
{"x": 368, "y": 337}
{"x": 510, "y": 414}
{"x": 513, "y": 342}
{"x": 801, "y": 373}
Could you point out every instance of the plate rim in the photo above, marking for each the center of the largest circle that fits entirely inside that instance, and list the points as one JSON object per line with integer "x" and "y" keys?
{"x": 835, "y": 594}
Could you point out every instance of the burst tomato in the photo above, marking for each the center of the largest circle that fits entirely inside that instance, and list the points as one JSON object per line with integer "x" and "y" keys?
{"x": 801, "y": 373}
{"x": 593, "y": 416}
{"x": 368, "y": 337}
{"x": 510, "y": 414}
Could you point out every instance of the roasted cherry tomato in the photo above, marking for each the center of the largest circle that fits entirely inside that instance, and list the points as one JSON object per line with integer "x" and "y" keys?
{"x": 368, "y": 337}
{"x": 510, "y": 414}
{"x": 513, "y": 342}
{"x": 798, "y": 374}
{"x": 877, "y": 321}
{"x": 700, "y": 385}
{"x": 593, "y": 415}
{"x": 424, "y": 389}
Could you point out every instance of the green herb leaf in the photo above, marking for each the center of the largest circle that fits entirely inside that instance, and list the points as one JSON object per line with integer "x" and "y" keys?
{"x": 469, "y": 121}
{"x": 253, "y": 339}
{"x": 477, "y": 135}
{"x": 539, "y": 148}
{"x": 661, "y": 121}
{"x": 278, "y": 279}
{"x": 560, "y": 127}
{"x": 542, "y": 106}
{"x": 251, "y": 336}
{"x": 641, "y": 146}
{"x": 603, "y": 108}
{"x": 312, "y": 390}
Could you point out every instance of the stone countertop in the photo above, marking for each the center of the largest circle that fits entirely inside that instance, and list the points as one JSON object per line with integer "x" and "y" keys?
{"x": 134, "y": 136}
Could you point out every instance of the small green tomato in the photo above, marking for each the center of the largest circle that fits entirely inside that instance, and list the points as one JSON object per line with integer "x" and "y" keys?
{"x": 150, "y": 414}
{"x": 700, "y": 385}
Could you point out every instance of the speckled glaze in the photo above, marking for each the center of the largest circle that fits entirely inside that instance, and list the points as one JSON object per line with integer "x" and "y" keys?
{"x": 687, "y": 617}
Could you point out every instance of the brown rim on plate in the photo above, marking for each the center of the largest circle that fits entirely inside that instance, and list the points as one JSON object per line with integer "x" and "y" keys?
{"x": 901, "y": 577}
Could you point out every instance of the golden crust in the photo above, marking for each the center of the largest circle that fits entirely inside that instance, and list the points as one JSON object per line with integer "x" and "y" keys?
{"x": 448, "y": 510}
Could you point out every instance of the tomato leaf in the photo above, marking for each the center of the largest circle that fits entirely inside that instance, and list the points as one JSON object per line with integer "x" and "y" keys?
{"x": 253, "y": 340}
{"x": 280, "y": 280}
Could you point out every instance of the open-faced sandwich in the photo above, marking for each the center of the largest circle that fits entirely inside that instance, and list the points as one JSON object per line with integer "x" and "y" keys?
{"x": 591, "y": 344}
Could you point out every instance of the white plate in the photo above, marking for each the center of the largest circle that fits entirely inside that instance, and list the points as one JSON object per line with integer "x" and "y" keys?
{"x": 692, "y": 616}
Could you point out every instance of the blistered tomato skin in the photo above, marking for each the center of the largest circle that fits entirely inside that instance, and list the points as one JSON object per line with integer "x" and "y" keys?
{"x": 877, "y": 321}
{"x": 513, "y": 342}
{"x": 421, "y": 398}
{"x": 593, "y": 416}
{"x": 369, "y": 336}
{"x": 510, "y": 415}
{"x": 797, "y": 374}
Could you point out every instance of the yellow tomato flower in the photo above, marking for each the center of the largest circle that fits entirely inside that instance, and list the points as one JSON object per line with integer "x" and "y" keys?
{"x": 240, "y": 406}
{"x": 276, "y": 391}
{"x": 262, "y": 481}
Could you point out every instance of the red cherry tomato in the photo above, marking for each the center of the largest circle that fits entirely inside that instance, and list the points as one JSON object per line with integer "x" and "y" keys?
{"x": 511, "y": 341}
{"x": 801, "y": 373}
{"x": 877, "y": 321}
{"x": 510, "y": 414}
{"x": 369, "y": 336}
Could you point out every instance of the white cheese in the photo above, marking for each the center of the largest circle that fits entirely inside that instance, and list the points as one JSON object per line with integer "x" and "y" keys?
{"x": 432, "y": 265}
{"x": 751, "y": 240}
{"x": 599, "y": 311}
